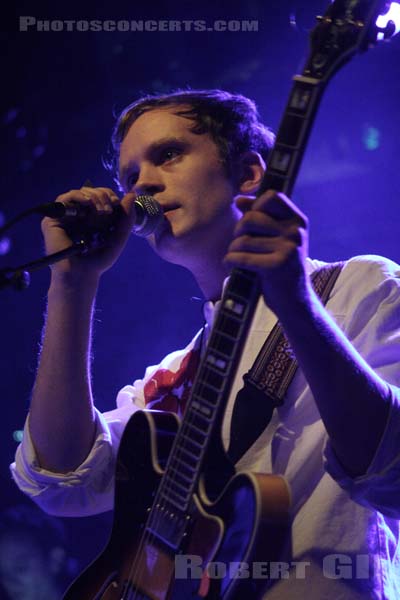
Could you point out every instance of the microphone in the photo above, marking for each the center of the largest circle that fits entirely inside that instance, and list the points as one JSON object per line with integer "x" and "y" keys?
{"x": 149, "y": 213}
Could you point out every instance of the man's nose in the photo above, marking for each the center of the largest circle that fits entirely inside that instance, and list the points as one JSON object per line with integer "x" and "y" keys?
{"x": 149, "y": 182}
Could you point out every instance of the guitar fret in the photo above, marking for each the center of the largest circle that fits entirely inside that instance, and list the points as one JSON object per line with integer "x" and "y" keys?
{"x": 280, "y": 161}
{"x": 179, "y": 474}
{"x": 213, "y": 378}
{"x": 295, "y": 113}
{"x": 181, "y": 487}
{"x": 276, "y": 176}
{"x": 216, "y": 362}
{"x": 237, "y": 308}
{"x": 168, "y": 489}
{"x": 285, "y": 146}
{"x": 199, "y": 421}
{"x": 293, "y": 128}
{"x": 205, "y": 398}
{"x": 220, "y": 332}
{"x": 206, "y": 393}
{"x": 183, "y": 465}
{"x": 199, "y": 407}
{"x": 302, "y": 95}
{"x": 196, "y": 430}
{"x": 230, "y": 324}
{"x": 199, "y": 435}
{"x": 189, "y": 441}
{"x": 276, "y": 181}
{"x": 224, "y": 353}
{"x": 241, "y": 285}
{"x": 177, "y": 501}
{"x": 172, "y": 484}
{"x": 188, "y": 453}
{"x": 222, "y": 344}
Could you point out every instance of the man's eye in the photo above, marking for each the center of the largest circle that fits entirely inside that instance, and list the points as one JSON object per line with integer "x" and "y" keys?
{"x": 169, "y": 154}
{"x": 131, "y": 180}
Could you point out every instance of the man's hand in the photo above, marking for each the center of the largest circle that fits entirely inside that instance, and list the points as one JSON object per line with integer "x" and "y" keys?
{"x": 103, "y": 201}
{"x": 272, "y": 239}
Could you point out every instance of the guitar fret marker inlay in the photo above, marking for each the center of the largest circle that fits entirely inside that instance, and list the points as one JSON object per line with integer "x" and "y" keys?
{"x": 217, "y": 362}
{"x": 236, "y": 307}
{"x": 300, "y": 99}
{"x": 281, "y": 161}
{"x": 201, "y": 408}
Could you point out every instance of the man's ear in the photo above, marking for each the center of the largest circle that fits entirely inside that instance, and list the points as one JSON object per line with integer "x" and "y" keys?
{"x": 251, "y": 168}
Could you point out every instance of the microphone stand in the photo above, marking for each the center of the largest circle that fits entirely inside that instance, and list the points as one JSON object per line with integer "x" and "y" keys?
{"x": 19, "y": 277}
{"x": 86, "y": 237}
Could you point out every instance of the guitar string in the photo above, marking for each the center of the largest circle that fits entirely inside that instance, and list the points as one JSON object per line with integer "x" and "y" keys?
{"x": 155, "y": 517}
{"x": 153, "y": 521}
{"x": 188, "y": 424}
{"x": 204, "y": 380}
{"x": 166, "y": 486}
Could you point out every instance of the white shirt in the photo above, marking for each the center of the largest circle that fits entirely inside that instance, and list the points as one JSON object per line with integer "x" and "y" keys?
{"x": 341, "y": 525}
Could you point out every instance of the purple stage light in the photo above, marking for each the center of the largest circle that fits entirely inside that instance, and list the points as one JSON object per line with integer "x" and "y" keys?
{"x": 5, "y": 242}
{"x": 393, "y": 14}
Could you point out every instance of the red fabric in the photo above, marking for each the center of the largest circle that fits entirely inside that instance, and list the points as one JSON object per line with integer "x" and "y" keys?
{"x": 170, "y": 391}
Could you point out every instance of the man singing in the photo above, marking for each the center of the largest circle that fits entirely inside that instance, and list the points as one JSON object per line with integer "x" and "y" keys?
{"x": 335, "y": 439}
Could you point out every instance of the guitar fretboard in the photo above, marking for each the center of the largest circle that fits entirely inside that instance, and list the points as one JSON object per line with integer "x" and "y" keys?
{"x": 293, "y": 133}
{"x": 210, "y": 389}
{"x": 214, "y": 380}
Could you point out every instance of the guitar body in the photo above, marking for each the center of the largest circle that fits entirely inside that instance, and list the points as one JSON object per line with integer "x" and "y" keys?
{"x": 246, "y": 523}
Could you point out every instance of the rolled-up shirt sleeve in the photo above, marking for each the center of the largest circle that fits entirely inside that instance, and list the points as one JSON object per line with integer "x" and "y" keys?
{"x": 373, "y": 327}
{"x": 379, "y": 487}
{"x": 89, "y": 489}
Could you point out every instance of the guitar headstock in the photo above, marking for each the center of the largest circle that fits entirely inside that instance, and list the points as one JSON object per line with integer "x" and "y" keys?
{"x": 347, "y": 27}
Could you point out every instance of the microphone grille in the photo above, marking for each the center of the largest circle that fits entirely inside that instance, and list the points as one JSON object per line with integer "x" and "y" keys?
{"x": 149, "y": 216}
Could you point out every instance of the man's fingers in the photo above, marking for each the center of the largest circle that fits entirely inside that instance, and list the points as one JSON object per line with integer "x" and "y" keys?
{"x": 102, "y": 198}
{"x": 255, "y": 222}
{"x": 244, "y": 203}
{"x": 280, "y": 207}
{"x": 274, "y": 204}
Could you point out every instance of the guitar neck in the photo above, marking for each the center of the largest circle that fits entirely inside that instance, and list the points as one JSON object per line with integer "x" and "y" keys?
{"x": 348, "y": 26}
{"x": 292, "y": 136}
{"x": 215, "y": 377}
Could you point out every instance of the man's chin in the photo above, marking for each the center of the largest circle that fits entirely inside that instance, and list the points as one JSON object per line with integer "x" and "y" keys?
{"x": 161, "y": 235}
{"x": 170, "y": 245}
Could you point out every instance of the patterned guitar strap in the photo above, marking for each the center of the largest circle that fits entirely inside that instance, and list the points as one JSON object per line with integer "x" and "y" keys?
{"x": 266, "y": 384}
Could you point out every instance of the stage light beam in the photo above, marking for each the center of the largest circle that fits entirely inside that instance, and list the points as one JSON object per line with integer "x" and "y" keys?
{"x": 393, "y": 14}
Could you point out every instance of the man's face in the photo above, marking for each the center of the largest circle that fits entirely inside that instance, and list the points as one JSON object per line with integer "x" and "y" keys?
{"x": 184, "y": 172}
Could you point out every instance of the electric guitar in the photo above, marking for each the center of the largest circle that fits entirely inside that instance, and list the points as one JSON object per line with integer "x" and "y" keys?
{"x": 186, "y": 525}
